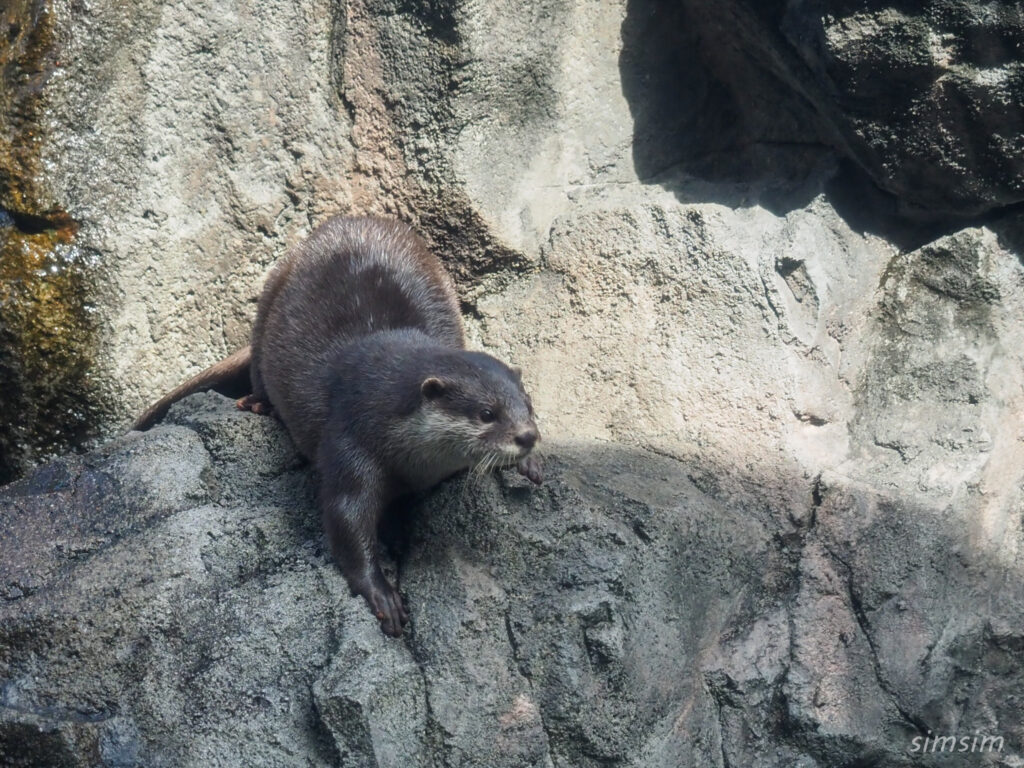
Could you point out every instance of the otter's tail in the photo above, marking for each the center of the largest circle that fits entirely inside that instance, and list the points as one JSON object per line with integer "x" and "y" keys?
{"x": 231, "y": 373}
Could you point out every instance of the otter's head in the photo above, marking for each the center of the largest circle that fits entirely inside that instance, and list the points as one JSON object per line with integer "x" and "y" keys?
{"x": 480, "y": 405}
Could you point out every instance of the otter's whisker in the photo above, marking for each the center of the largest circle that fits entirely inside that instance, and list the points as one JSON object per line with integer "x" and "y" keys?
{"x": 495, "y": 460}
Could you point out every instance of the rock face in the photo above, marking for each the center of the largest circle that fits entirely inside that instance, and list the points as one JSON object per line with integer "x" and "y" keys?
{"x": 763, "y": 266}
{"x": 945, "y": 78}
{"x": 926, "y": 97}
{"x": 168, "y": 602}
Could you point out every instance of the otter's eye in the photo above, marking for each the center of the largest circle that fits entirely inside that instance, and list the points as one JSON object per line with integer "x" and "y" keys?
{"x": 487, "y": 416}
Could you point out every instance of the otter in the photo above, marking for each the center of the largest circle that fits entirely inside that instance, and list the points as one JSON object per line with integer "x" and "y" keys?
{"x": 358, "y": 347}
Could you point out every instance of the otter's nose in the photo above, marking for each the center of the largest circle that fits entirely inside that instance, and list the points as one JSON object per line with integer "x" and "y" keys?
{"x": 526, "y": 439}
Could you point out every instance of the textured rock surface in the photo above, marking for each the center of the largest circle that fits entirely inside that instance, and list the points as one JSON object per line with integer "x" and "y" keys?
{"x": 926, "y": 97}
{"x": 189, "y": 145}
{"x": 167, "y": 601}
{"x": 784, "y": 420}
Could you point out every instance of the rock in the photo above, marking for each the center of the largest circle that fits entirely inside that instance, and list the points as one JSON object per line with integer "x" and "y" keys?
{"x": 780, "y": 395}
{"x": 372, "y": 698}
{"x": 618, "y": 614}
{"x": 230, "y": 132}
{"x": 926, "y": 98}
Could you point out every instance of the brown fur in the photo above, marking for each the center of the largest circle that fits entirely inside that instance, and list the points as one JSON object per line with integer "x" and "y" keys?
{"x": 358, "y": 347}
{"x": 225, "y": 373}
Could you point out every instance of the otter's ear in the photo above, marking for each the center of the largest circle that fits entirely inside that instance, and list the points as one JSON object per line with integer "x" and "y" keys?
{"x": 432, "y": 388}
{"x": 517, "y": 371}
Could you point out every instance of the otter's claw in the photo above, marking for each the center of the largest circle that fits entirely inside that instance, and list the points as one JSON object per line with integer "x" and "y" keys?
{"x": 531, "y": 468}
{"x": 386, "y": 604}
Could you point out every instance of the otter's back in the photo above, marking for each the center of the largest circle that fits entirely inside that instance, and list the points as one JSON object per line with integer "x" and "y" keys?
{"x": 350, "y": 278}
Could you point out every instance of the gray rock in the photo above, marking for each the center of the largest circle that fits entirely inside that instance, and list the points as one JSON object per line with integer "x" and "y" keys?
{"x": 616, "y": 616}
{"x": 925, "y": 97}
{"x": 372, "y": 698}
{"x": 782, "y": 525}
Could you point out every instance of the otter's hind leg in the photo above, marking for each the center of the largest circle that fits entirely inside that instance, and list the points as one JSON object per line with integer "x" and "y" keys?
{"x": 257, "y": 402}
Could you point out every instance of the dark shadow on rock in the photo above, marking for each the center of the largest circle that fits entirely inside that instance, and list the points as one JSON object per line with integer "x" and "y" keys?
{"x": 1009, "y": 228}
{"x": 725, "y": 110}
{"x": 703, "y": 109}
{"x": 869, "y": 210}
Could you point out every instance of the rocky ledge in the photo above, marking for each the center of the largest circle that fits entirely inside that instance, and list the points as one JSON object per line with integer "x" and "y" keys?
{"x": 168, "y": 601}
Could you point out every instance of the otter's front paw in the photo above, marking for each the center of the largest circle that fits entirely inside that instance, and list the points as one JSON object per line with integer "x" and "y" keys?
{"x": 531, "y": 468}
{"x": 386, "y": 604}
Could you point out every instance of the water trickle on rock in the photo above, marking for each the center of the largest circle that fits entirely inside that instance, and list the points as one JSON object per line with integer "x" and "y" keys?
{"x": 47, "y": 344}
{"x": 47, "y": 334}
